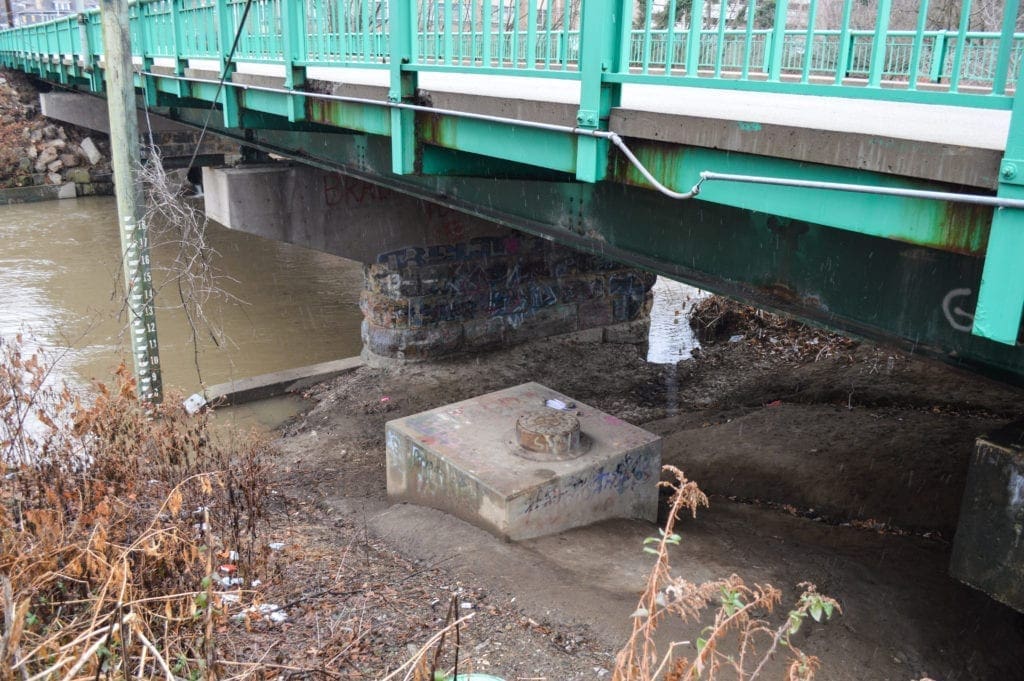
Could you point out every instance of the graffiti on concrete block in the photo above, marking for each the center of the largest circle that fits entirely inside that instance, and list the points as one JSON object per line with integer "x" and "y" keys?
{"x": 631, "y": 471}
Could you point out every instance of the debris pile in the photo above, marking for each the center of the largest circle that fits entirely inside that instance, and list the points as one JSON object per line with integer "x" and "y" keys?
{"x": 717, "y": 319}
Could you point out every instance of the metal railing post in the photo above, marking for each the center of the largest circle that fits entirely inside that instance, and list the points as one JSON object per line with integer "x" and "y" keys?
{"x": 602, "y": 25}
{"x": 148, "y": 83}
{"x": 670, "y": 36}
{"x": 939, "y": 47}
{"x": 778, "y": 40}
{"x": 1005, "y": 47}
{"x": 693, "y": 38}
{"x": 294, "y": 31}
{"x": 180, "y": 62}
{"x": 843, "y": 53}
{"x": 812, "y": 16}
{"x": 225, "y": 37}
{"x": 915, "y": 54}
{"x": 961, "y": 42}
{"x": 403, "y": 86}
{"x": 879, "y": 43}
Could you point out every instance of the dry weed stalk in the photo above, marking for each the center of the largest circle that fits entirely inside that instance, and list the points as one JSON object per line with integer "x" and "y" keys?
{"x": 739, "y": 637}
{"x": 111, "y": 517}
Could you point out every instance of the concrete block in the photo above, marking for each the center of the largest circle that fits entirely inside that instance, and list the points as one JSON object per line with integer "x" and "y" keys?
{"x": 464, "y": 459}
{"x": 988, "y": 549}
{"x": 67, "y": 191}
{"x": 31, "y": 194}
{"x": 92, "y": 154}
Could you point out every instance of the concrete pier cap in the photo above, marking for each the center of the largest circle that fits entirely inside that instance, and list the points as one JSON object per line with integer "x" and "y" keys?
{"x": 510, "y": 463}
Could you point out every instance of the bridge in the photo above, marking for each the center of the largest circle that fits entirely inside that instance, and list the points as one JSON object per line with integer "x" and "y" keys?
{"x": 867, "y": 180}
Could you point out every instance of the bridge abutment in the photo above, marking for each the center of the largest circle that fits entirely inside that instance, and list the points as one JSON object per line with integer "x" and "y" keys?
{"x": 437, "y": 281}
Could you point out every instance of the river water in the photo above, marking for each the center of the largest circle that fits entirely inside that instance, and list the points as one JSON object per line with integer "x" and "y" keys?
{"x": 59, "y": 262}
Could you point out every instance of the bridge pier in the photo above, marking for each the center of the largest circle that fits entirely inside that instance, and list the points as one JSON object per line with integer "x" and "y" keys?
{"x": 437, "y": 281}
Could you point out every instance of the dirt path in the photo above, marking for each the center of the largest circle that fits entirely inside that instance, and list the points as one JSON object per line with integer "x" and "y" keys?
{"x": 856, "y": 462}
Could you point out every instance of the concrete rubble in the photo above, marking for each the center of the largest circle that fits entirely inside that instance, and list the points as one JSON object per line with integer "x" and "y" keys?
{"x": 43, "y": 160}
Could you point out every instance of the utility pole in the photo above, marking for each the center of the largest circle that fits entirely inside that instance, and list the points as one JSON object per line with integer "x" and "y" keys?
{"x": 10, "y": 13}
{"x": 124, "y": 157}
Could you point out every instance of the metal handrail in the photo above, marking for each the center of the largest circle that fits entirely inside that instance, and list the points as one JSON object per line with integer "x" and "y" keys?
{"x": 933, "y": 65}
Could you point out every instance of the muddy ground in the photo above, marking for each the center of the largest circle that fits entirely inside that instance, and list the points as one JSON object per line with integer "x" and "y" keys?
{"x": 826, "y": 460}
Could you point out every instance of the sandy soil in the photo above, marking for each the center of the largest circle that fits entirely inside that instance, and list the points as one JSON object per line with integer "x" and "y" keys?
{"x": 843, "y": 466}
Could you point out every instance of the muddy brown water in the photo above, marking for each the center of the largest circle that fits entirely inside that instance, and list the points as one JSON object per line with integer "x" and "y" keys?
{"x": 59, "y": 262}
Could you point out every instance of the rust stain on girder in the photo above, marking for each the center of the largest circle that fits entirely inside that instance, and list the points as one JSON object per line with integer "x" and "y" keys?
{"x": 956, "y": 227}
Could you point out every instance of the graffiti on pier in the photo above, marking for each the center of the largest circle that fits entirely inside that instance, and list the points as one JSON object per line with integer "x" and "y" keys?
{"x": 339, "y": 190}
{"x": 477, "y": 248}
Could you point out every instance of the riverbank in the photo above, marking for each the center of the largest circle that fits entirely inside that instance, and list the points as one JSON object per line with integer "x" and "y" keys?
{"x": 38, "y": 158}
{"x": 826, "y": 459}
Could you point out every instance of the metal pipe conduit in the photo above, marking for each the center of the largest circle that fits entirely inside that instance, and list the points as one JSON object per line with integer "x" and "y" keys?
{"x": 617, "y": 141}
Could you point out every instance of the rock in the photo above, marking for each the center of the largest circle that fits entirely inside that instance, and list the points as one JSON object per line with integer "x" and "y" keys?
{"x": 67, "y": 191}
{"x": 61, "y": 134}
{"x": 48, "y": 154}
{"x": 55, "y": 166}
{"x": 31, "y": 152}
{"x": 54, "y": 178}
{"x": 70, "y": 160}
{"x": 47, "y": 157}
{"x": 36, "y": 135}
{"x": 56, "y": 144}
{"x": 91, "y": 153}
{"x": 50, "y": 131}
{"x": 79, "y": 176}
{"x": 24, "y": 165}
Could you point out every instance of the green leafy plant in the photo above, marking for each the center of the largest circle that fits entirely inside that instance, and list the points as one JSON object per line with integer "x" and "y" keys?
{"x": 740, "y": 637}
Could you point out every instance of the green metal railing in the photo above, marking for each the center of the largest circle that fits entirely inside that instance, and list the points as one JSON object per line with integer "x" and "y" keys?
{"x": 535, "y": 37}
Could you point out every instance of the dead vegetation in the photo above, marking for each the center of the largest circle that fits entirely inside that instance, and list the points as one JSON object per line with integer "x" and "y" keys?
{"x": 114, "y": 517}
{"x": 717, "y": 319}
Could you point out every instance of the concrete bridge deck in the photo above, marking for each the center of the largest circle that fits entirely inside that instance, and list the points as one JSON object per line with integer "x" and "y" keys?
{"x": 953, "y": 144}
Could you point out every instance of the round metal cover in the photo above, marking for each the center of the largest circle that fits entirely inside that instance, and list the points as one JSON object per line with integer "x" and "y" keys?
{"x": 549, "y": 431}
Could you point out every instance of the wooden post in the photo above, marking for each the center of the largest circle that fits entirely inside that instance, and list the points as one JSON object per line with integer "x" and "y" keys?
{"x": 124, "y": 157}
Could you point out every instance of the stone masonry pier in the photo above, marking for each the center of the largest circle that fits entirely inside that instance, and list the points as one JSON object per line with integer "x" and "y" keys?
{"x": 436, "y": 281}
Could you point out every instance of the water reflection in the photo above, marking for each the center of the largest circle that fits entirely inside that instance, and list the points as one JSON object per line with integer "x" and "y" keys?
{"x": 59, "y": 264}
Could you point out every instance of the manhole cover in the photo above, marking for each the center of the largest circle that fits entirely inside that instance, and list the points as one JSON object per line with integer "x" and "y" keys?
{"x": 549, "y": 435}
